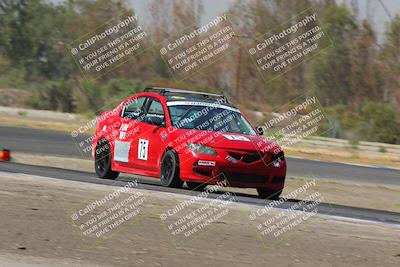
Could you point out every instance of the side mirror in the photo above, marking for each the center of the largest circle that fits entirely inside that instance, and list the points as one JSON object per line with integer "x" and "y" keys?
{"x": 260, "y": 130}
{"x": 156, "y": 121}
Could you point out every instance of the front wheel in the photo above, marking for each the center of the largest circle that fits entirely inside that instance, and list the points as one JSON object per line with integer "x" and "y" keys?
{"x": 266, "y": 193}
{"x": 169, "y": 174}
{"x": 102, "y": 161}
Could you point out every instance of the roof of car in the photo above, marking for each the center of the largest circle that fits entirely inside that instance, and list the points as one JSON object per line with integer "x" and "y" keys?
{"x": 172, "y": 94}
{"x": 196, "y": 99}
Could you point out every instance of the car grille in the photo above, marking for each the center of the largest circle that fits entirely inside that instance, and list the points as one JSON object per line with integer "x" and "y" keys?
{"x": 247, "y": 157}
{"x": 278, "y": 179}
{"x": 240, "y": 177}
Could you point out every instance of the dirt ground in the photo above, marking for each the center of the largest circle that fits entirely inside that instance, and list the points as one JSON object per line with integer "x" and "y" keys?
{"x": 38, "y": 227}
{"x": 335, "y": 192}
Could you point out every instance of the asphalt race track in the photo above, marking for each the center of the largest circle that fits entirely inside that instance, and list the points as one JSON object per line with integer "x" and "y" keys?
{"x": 154, "y": 185}
{"x": 60, "y": 143}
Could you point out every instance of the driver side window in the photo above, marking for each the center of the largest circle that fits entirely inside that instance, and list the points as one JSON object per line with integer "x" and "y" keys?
{"x": 155, "y": 110}
{"x": 134, "y": 108}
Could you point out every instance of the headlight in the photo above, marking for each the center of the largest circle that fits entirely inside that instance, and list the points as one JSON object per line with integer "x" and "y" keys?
{"x": 201, "y": 149}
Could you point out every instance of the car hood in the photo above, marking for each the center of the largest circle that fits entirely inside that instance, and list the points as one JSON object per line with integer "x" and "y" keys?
{"x": 227, "y": 140}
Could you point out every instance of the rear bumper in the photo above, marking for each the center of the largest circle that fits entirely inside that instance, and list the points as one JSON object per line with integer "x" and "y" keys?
{"x": 212, "y": 169}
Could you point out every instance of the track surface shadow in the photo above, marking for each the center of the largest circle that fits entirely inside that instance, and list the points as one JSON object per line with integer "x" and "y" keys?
{"x": 153, "y": 184}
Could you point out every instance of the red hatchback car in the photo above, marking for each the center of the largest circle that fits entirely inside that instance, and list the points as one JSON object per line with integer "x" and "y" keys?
{"x": 184, "y": 136}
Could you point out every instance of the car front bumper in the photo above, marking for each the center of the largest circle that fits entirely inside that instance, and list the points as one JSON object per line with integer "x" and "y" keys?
{"x": 259, "y": 173}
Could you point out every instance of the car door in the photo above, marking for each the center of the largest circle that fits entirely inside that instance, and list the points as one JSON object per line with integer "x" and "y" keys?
{"x": 128, "y": 130}
{"x": 150, "y": 145}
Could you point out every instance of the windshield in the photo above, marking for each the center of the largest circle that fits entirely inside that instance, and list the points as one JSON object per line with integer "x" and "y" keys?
{"x": 210, "y": 118}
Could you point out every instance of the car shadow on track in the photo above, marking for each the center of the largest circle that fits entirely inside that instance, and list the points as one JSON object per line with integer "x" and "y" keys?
{"x": 240, "y": 197}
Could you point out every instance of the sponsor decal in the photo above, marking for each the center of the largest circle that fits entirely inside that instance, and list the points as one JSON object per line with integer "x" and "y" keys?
{"x": 206, "y": 163}
{"x": 203, "y": 104}
{"x": 122, "y": 131}
{"x": 121, "y": 151}
{"x": 236, "y": 137}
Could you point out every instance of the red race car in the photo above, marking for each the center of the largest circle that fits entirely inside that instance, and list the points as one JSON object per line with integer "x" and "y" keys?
{"x": 184, "y": 136}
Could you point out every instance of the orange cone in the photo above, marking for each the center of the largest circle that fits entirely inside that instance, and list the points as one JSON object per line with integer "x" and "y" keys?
{"x": 5, "y": 155}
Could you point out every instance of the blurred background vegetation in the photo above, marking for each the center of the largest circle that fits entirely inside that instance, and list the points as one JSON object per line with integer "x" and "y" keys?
{"x": 357, "y": 80}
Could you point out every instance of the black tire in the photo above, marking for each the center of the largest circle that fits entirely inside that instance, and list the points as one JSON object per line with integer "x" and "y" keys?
{"x": 196, "y": 186}
{"x": 169, "y": 173}
{"x": 266, "y": 193}
{"x": 102, "y": 161}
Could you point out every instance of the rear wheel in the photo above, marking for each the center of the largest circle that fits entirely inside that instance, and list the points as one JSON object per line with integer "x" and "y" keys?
{"x": 102, "y": 162}
{"x": 169, "y": 174}
{"x": 196, "y": 186}
{"x": 266, "y": 193}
